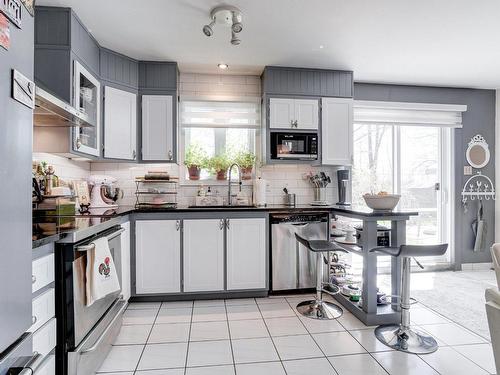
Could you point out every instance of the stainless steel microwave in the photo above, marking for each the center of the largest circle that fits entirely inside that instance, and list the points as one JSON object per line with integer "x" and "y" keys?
{"x": 294, "y": 146}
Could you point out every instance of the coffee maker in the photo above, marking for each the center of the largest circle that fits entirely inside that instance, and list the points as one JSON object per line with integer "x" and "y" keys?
{"x": 343, "y": 183}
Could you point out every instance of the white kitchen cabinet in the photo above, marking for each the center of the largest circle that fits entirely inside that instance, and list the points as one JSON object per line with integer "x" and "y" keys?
{"x": 125, "y": 271}
{"x": 158, "y": 256}
{"x": 246, "y": 253}
{"x": 44, "y": 339}
{"x": 306, "y": 114}
{"x": 120, "y": 124}
{"x": 336, "y": 131}
{"x": 157, "y": 128}
{"x": 296, "y": 114}
{"x": 203, "y": 255}
{"x": 43, "y": 309}
{"x": 281, "y": 113}
{"x": 42, "y": 272}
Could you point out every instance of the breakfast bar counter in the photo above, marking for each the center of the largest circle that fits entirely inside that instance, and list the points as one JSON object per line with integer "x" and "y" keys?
{"x": 367, "y": 309}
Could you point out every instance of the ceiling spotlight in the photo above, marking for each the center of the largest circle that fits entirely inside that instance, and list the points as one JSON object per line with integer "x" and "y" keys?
{"x": 222, "y": 66}
{"x": 237, "y": 25}
{"x": 207, "y": 29}
{"x": 226, "y": 16}
{"x": 234, "y": 39}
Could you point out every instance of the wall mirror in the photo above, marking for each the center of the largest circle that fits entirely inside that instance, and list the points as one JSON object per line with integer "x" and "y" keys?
{"x": 478, "y": 153}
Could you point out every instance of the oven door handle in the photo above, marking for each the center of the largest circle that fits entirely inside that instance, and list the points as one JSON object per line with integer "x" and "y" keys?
{"x": 104, "y": 333}
{"x": 109, "y": 237}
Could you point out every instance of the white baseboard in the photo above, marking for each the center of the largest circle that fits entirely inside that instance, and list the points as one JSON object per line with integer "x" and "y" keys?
{"x": 476, "y": 266}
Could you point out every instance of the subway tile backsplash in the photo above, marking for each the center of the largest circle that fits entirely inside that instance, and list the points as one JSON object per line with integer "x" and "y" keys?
{"x": 216, "y": 85}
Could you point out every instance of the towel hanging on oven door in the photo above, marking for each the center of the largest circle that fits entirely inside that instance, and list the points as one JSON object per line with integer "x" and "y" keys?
{"x": 102, "y": 278}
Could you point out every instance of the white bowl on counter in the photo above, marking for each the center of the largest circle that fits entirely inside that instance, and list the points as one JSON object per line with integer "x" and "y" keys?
{"x": 384, "y": 203}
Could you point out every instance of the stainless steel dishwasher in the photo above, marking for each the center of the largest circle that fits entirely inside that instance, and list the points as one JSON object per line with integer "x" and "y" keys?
{"x": 294, "y": 266}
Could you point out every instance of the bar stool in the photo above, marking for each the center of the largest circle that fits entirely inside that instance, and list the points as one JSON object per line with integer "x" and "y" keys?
{"x": 402, "y": 336}
{"x": 317, "y": 308}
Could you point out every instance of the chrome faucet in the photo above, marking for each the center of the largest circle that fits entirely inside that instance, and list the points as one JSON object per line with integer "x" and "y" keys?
{"x": 229, "y": 182}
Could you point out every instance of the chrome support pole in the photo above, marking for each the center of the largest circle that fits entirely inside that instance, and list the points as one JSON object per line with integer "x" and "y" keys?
{"x": 405, "y": 294}
{"x": 319, "y": 276}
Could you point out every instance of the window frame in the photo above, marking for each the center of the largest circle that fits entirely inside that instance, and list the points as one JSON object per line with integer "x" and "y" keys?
{"x": 183, "y": 180}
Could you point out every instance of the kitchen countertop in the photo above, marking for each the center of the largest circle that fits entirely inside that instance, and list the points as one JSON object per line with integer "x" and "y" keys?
{"x": 44, "y": 234}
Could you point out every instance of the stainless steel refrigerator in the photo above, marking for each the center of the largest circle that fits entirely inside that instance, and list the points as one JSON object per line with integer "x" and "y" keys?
{"x": 16, "y": 129}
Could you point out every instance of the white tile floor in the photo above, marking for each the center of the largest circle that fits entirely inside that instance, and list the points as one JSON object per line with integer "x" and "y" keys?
{"x": 266, "y": 336}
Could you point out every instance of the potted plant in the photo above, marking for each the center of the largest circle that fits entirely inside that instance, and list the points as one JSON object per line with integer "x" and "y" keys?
{"x": 219, "y": 164}
{"x": 246, "y": 160}
{"x": 194, "y": 160}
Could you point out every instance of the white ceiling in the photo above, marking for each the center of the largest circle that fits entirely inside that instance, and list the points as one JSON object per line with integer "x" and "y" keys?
{"x": 425, "y": 42}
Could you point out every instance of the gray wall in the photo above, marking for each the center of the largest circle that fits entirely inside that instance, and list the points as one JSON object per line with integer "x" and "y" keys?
{"x": 16, "y": 129}
{"x": 479, "y": 118}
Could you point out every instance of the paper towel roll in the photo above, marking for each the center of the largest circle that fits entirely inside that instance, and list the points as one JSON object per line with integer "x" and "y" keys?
{"x": 259, "y": 192}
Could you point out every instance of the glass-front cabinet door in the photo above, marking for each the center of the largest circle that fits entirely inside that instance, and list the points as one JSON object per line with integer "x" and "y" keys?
{"x": 87, "y": 98}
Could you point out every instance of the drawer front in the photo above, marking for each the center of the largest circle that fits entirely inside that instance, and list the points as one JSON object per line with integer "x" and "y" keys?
{"x": 43, "y": 309}
{"x": 42, "y": 272}
{"x": 48, "y": 367}
{"x": 44, "y": 340}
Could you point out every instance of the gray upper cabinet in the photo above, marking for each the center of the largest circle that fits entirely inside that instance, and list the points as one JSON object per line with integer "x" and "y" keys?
{"x": 160, "y": 76}
{"x": 119, "y": 69}
{"x": 307, "y": 82}
{"x": 60, "y": 39}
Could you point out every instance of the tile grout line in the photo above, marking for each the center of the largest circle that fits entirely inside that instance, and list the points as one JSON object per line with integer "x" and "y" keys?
{"x": 189, "y": 338}
{"x": 229, "y": 333}
{"x": 269, "y": 332}
{"x": 312, "y": 337}
{"x": 147, "y": 339}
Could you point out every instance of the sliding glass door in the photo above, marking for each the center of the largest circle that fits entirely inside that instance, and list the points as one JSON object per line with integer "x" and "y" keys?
{"x": 413, "y": 161}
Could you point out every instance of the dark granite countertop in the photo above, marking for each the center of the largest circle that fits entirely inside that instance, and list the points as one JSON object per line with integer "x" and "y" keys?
{"x": 44, "y": 231}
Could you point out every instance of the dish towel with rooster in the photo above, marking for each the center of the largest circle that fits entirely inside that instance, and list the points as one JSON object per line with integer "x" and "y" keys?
{"x": 102, "y": 278}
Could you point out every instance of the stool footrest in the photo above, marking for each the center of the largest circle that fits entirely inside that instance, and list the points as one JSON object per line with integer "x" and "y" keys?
{"x": 330, "y": 289}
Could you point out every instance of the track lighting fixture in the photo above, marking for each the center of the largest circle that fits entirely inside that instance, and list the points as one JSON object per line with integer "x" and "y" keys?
{"x": 227, "y": 16}
{"x": 208, "y": 29}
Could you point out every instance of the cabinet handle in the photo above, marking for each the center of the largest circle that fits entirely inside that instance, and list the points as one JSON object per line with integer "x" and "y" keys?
{"x": 33, "y": 279}
{"x": 227, "y": 224}
{"x": 221, "y": 224}
{"x": 134, "y": 154}
{"x": 178, "y": 225}
{"x": 78, "y": 143}
{"x": 34, "y": 319}
{"x": 170, "y": 155}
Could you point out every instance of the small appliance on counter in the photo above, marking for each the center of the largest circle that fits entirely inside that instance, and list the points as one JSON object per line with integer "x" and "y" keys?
{"x": 343, "y": 185}
{"x": 104, "y": 193}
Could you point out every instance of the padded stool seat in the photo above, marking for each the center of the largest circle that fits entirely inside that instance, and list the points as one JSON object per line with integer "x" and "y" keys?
{"x": 318, "y": 308}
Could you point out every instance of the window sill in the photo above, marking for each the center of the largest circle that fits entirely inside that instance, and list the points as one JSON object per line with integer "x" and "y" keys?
{"x": 185, "y": 182}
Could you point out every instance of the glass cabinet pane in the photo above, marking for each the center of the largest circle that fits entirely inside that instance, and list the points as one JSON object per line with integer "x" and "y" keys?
{"x": 87, "y": 100}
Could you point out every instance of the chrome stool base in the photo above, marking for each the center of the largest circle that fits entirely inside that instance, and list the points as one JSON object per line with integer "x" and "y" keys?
{"x": 409, "y": 340}
{"x": 322, "y": 310}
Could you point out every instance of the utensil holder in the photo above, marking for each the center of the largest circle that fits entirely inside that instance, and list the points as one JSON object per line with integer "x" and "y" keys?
{"x": 290, "y": 199}
{"x": 320, "y": 194}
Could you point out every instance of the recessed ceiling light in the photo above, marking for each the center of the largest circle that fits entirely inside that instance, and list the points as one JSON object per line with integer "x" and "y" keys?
{"x": 223, "y": 66}
{"x": 321, "y": 46}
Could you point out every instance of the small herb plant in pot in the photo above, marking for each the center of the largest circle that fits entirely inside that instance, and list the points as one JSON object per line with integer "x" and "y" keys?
{"x": 220, "y": 164}
{"x": 246, "y": 160}
{"x": 195, "y": 159}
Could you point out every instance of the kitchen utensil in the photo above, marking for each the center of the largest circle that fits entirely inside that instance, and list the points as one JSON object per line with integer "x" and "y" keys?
{"x": 382, "y": 203}
{"x": 290, "y": 199}
{"x": 343, "y": 185}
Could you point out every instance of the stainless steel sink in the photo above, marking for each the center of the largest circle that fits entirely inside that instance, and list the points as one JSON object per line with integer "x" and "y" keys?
{"x": 223, "y": 207}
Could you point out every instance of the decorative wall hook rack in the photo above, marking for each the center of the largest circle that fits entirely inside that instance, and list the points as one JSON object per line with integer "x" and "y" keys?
{"x": 478, "y": 187}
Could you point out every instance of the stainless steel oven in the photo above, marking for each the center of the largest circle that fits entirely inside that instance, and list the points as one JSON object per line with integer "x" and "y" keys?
{"x": 294, "y": 146}
{"x": 85, "y": 333}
